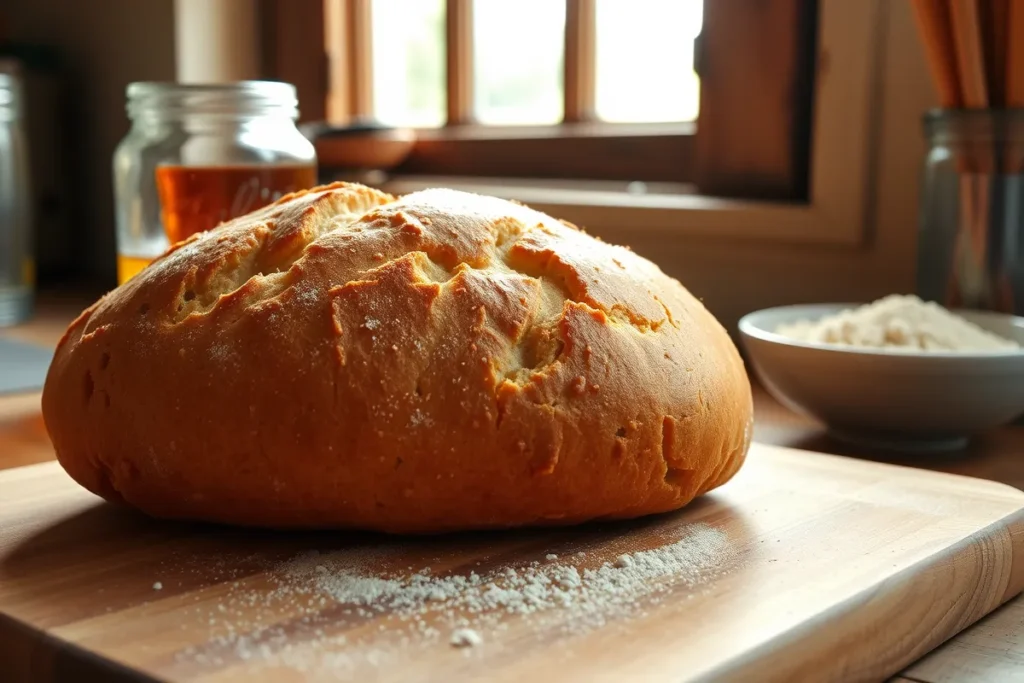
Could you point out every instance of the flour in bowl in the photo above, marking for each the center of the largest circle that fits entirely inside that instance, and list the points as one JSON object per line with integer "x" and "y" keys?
{"x": 898, "y": 322}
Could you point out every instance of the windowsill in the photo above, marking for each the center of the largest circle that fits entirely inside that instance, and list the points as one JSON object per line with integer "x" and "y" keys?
{"x": 555, "y": 191}
{"x": 598, "y": 193}
{"x": 510, "y": 185}
{"x": 618, "y": 210}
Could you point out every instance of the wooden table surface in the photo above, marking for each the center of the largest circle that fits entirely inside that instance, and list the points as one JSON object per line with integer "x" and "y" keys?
{"x": 991, "y": 650}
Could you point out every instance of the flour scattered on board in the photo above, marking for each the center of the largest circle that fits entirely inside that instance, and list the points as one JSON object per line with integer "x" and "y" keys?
{"x": 346, "y": 613}
{"x": 466, "y": 637}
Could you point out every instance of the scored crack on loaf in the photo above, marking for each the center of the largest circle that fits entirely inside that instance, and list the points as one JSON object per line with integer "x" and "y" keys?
{"x": 439, "y": 361}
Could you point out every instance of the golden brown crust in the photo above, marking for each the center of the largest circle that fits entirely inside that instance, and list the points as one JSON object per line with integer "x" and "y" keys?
{"x": 440, "y": 361}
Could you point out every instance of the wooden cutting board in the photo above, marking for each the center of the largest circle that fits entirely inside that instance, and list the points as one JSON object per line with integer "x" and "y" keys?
{"x": 806, "y": 566}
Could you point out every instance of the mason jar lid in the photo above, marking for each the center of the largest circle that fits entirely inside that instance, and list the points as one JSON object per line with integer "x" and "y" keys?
{"x": 242, "y": 98}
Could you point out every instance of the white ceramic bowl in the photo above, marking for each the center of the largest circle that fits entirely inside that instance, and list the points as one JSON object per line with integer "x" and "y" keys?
{"x": 900, "y": 399}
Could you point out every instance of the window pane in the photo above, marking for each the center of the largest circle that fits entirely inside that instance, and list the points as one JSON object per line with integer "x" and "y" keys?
{"x": 645, "y": 59}
{"x": 409, "y": 62}
{"x": 518, "y": 49}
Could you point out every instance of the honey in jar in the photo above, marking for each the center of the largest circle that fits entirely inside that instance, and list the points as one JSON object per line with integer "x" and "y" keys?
{"x": 129, "y": 266}
{"x": 194, "y": 198}
{"x": 200, "y": 154}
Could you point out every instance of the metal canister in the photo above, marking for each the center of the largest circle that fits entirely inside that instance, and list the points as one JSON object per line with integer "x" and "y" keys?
{"x": 17, "y": 266}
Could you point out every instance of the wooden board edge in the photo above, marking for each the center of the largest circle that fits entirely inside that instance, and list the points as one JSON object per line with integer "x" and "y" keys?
{"x": 866, "y": 656}
{"x": 28, "y": 655}
{"x": 1015, "y": 584}
{"x": 996, "y": 488}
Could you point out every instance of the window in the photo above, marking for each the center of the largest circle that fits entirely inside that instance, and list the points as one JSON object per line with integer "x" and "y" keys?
{"x": 579, "y": 89}
{"x": 517, "y": 62}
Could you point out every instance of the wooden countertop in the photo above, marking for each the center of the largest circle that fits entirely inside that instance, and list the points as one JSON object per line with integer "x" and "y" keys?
{"x": 991, "y": 650}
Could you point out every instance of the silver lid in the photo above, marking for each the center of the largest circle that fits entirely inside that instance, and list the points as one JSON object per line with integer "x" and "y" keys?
{"x": 244, "y": 98}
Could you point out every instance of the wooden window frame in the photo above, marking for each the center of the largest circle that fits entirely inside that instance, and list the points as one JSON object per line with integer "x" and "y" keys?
{"x": 826, "y": 202}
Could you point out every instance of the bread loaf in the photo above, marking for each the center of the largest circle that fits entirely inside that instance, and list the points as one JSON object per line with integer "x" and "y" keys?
{"x": 440, "y": 361}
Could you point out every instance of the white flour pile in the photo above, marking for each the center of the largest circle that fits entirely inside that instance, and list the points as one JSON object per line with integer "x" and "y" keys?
{"x": 348, "y": 616}
{"x": 537, "y": 587}
{"x": 900, "y": 323}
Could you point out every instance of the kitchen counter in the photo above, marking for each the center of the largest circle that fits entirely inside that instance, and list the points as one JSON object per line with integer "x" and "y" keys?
{"x": 990, "y": 650}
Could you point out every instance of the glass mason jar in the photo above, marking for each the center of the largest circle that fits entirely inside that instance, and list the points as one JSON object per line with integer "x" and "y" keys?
{"x": 971, "y": 222}
{"x": 198, "y": 155}
{"x": 17, "y": 266}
